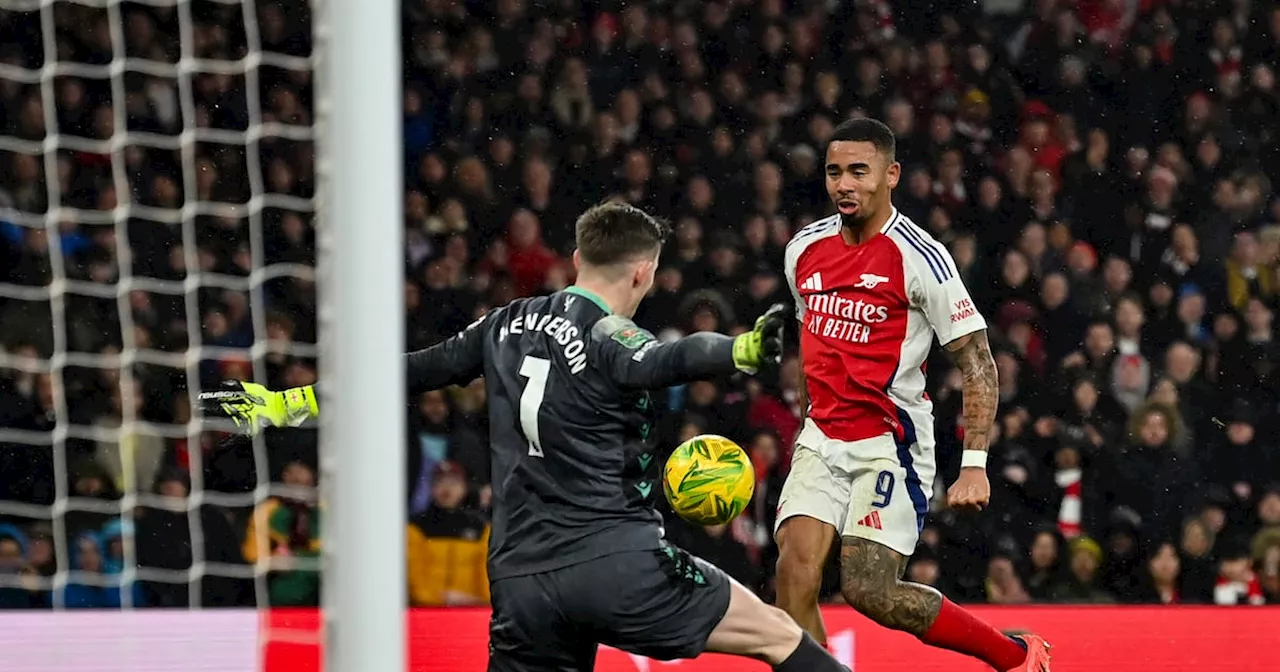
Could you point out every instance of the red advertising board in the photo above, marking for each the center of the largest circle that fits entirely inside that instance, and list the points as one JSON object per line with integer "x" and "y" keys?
{"x": 1085, "y": 639}
{"x": 1093, "y": 639}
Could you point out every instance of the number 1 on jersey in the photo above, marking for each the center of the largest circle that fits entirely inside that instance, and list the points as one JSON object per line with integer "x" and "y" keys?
{"x": 536, "y": 369}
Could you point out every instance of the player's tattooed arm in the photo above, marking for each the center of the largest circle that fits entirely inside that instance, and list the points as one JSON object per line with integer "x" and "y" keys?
{"x": 971, "y": 354}
{"x": 870, "y": 580}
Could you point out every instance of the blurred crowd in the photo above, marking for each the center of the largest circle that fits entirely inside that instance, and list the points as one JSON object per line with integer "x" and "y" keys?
{"x": 1102, "y": 171}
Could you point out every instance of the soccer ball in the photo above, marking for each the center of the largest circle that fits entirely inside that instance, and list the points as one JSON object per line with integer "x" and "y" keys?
{"x": 708, "y": 480}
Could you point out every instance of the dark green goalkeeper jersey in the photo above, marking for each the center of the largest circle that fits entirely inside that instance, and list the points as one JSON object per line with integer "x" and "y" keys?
{"x": 572, "y": 425}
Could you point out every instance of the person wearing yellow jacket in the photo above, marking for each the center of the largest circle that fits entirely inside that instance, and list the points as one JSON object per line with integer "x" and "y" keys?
{"x": 1248, "y": 274}
{"x": 448, "y": 546}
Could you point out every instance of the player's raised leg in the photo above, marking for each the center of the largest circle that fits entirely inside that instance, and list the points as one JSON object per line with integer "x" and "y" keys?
{"x": 754, "y": 629}
{"x": 804, "y": 544}
{"x": 870, "y": 579}
{"x": 669, "y": 604}
{"x": 813, "y": 506}
{"x": 529, "y": 632}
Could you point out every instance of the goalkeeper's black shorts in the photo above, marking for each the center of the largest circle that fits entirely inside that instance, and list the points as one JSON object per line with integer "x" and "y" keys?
{"x": 660, "y": 604}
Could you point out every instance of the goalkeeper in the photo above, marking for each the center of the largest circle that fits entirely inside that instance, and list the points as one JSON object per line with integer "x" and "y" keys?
{"x": 577, "y": 556}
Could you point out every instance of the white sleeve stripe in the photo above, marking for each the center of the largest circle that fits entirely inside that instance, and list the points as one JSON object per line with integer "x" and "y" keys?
{"x": 813, "y": 229}
{"x": 933, "y": 243}
{"x": 936, "y": 261}
{"x": 930, "y": 246}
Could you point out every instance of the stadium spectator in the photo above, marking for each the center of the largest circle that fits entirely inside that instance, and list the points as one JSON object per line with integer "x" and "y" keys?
{"x": 290, "y": 526}
{"x": 1104, "y": 180}
{"x": 1160, "y": 583}
{"x": 1044, "y": 564}
{"x": 14, "y": 562}
{"x": 1266, "y": 557}
{"x": 1237, "y": 583}
{"x": 162, "y": 542}
{"x": 101, "y": 553}
{"x": 1198, "y": 571}
{"x": 1080, "y": 585}
{"x": 447, "y": 545}
{"x": 440, "y": 436}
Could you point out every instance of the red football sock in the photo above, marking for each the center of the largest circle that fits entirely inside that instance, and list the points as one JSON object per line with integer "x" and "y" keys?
{"x": 958, "y": 630}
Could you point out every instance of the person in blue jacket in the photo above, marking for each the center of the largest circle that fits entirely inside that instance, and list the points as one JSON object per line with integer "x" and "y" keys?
{"x": 99, "y": 554}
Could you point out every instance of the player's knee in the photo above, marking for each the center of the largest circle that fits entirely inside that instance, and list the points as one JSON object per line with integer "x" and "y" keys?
{"x": 799, "y": 575}
{"x": 798, "y": 583}
{"x": 800, "y": 559}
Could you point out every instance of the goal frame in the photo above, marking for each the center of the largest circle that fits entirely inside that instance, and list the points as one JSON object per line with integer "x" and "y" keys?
{"x": 360, "y": 285}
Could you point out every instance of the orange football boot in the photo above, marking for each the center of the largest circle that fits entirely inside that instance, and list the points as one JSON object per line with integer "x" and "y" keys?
{"x": 1037, "y": 654}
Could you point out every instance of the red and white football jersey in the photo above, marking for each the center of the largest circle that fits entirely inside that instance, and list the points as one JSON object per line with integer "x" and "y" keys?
{"x": 868, "y": 316}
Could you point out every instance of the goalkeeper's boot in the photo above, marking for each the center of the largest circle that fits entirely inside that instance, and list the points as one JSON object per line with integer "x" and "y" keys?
{"x": 1037, "y": 654}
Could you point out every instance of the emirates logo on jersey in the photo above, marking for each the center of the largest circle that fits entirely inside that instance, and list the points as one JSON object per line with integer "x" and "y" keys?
{"x": 832, "y": 316}
{"x": 850, "y": 309}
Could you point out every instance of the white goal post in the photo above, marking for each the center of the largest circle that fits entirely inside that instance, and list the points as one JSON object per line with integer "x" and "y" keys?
{"x": 362, "y": 441}
{"x": 356, "y": 63}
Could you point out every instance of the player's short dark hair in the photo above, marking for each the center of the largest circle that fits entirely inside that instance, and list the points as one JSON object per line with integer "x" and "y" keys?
{"x": 869, "y": 130}
{"x": 615, "y": 232}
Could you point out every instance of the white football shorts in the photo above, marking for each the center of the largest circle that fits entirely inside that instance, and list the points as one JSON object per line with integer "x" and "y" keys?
{"x": 876, "y": 489}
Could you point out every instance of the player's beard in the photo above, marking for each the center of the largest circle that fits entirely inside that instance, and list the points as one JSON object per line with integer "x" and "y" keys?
{"x": 853, "y": 222}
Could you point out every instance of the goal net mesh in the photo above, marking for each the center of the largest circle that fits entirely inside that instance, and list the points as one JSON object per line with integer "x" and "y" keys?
{"x": 156, "y": 203}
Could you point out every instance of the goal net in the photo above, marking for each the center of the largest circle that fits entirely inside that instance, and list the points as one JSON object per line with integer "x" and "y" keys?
{"x": 157, "y": 181}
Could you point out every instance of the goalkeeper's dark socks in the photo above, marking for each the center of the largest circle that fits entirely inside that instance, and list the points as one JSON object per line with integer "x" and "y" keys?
{"x": 809, "y": 656}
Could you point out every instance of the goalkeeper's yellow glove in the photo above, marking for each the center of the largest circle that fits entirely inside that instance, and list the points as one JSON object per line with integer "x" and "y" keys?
{"x": 761, "y": 348}
{"x": 253, "y": 407}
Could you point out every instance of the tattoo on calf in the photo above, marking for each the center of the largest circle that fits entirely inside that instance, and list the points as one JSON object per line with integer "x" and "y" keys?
{"x": 869, "y": 580}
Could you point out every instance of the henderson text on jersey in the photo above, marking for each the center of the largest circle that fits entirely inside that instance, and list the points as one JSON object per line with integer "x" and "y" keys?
{"x": 558, "y": 328}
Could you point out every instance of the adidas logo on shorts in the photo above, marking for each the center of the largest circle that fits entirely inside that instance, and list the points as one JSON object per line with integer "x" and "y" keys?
{"x": 872, "y": 521}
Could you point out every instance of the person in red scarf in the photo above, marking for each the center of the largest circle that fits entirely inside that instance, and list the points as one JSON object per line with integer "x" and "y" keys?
{"x": 1237, "y": 583}
{"x": 1068, "y": 477}
{"x": 528, "y": 258}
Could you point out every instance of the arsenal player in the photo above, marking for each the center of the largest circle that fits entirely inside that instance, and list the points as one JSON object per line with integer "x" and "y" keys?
{"x": 872, "y": 291}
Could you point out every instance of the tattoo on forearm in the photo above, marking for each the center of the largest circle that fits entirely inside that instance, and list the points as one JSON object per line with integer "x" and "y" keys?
{"x": 870, "y": 581}
{"x": 972, "y": 356}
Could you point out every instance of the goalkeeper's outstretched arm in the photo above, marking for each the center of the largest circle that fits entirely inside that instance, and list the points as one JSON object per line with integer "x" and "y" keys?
{"x": 455, "y": 361}
{"x": 634, "y": 358}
